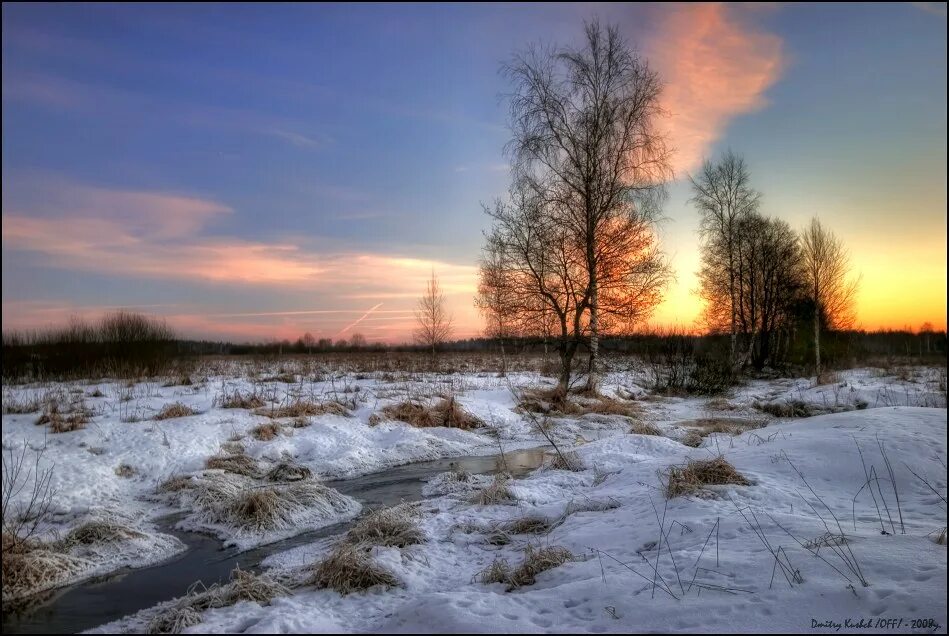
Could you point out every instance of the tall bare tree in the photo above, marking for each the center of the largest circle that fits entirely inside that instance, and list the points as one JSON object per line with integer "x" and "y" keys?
{"x": 433, "y": 322}
{"x": 829, "y": 288}
{"x": 724, "y": 197}
{"x": 584, "y": 140}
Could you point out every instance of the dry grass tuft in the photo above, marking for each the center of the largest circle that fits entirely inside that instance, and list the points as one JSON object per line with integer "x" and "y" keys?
{"x": 535, "y": 562}
{"x": 98, "y": 533}
{"x": 692, "y": 438}
{"x": 446, "y": 412}
{"x": 644, "y": 428}
{"x": 243, "y": 586}
{"x": 124, "y": 470}
{"x": 350, "y": 569}
{"x": 176, "y": 483}
{"x": 176, "y": 409}
{"x": 791, "y": 408}
{"x": 265, "y": 432}
{"x": 174, "y": 621}
{"x": 566, "y": 461}
{"x": 286, "y": 471}
{"x": 238, "y": 464}
{"x": 238, "y": 400}
{"x": 684, "y": 480}
{"x": 31, "y": 568}
{"x": 497, "y": 492}
{"x": 232, "y": 447}
{"x": 554, "y": 402}
{"x": 390, "y": 527}
{"x": 302, "y": 408}
{"x": 61, "y": 422}
{"x": 262, "y": 509}
{"x": 530, "y": 524}
{"x": 498, "y": 572}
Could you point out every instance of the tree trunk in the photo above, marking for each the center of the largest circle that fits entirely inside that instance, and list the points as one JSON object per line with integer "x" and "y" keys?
{"x": 817, "y": 341}
{"x": 592, "y": 374}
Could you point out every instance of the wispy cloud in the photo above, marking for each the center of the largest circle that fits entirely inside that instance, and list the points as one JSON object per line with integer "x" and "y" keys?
{"x": 715, "y": 66}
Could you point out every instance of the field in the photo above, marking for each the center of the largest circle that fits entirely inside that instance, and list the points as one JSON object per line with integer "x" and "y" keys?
{"x": 778, "y": 503}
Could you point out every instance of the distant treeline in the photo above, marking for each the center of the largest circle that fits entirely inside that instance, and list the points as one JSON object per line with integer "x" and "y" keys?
{"x": 124, "y": 344}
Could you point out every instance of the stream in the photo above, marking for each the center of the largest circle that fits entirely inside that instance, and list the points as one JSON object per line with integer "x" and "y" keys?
{"x": 107, "y": 598}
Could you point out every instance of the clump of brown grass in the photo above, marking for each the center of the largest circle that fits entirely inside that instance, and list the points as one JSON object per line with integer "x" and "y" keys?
{"x": 498, "y": 572}
{"x": 556, "y": 402}
{"x": 529, "y": 524}
{"x": 644, "y": 428}
{"x": 173, "y": 410}
{"x": 695, "y": 475}
{"x": 349, "y": 568}
{"x": 239, "y": 464}
{"x": 497, "y": 492}
{"x": 692, "y": 438}
{"x": 63, "y": 422}
{"x": 791, "y": 408}
{"x": 124, "y": 470}
{"x": 566, "y": 461}
{"x": 446, "y": 412}
{"x": 535, "y": 562}
{"x": 286, "y": 471}
{"x": 391, "y": 527}
{"x": 176, "y": 483}
{"x": 30, "y": 567}
{"x": 238, "y": 400}
{"x": 265, "y": 432}
{"x": 97, "y": 533}
{"x": 300, "y": 408}
{"x": 262, "y": 509}
{"x": 232, "y": 447}
{"x": 174, "y": 620}
{"x": 243, "y": 586}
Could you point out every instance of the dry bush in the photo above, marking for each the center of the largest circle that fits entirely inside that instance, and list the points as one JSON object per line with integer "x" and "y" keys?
{"x": 300, "y": 422}
{"x": 391, "y": 527}
{"x": 497, "y": 492}
{"x": 684, "y": 480}
{"x": 124, "y": 470}
{"x": 265, "y": 432}
{"x": 446, "y": 412}
{"x": 535, "y": 562}
{"x": 348, "y": 569}
{"x": 285, "y": 471}
{"x": 498, "y": 572}
{"x": 566, "y": 461}
{"x": 529, "y": 524}
{"x": 239, "y": 464}
{"x": 644, "y": 428}
{"x": 301, "y": 408}
{"x": 97, "y": 533}
{"x": 60, "y": 421}
{"x": 175, "y": 409}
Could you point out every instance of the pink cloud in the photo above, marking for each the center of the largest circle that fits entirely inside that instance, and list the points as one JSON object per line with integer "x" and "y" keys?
{"x": 715, "y": 67}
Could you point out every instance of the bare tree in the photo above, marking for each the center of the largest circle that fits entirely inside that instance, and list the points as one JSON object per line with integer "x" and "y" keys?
{"x": 585, "y": 142}
{"x": 24, "y": 475}
{"x": 433, "y": 322}
{"x": 724, "y": 197}
{"x": 495, "y": 293}
{"x": 826, "y": 267}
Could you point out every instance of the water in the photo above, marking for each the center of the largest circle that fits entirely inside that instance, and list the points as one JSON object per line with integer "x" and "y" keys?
{"x": 97, "y": 601}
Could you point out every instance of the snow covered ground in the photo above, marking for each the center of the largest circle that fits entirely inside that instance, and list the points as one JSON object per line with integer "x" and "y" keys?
{"x": 713, "y": 570}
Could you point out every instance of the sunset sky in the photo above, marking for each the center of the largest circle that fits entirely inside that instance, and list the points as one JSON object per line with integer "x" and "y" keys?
{"x": 257, "y": 172}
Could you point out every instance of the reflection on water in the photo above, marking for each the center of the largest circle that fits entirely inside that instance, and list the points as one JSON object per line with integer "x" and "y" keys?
{"x": 104, "y": 599}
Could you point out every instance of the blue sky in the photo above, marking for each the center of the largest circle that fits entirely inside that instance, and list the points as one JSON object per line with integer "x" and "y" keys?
{"x": 208, "y": 162}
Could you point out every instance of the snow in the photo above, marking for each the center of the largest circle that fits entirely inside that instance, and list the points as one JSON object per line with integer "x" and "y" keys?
{"x": 716, "y": 561}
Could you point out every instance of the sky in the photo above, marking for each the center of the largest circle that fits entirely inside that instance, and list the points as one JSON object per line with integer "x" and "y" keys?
{"x": 251, "y": 172}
